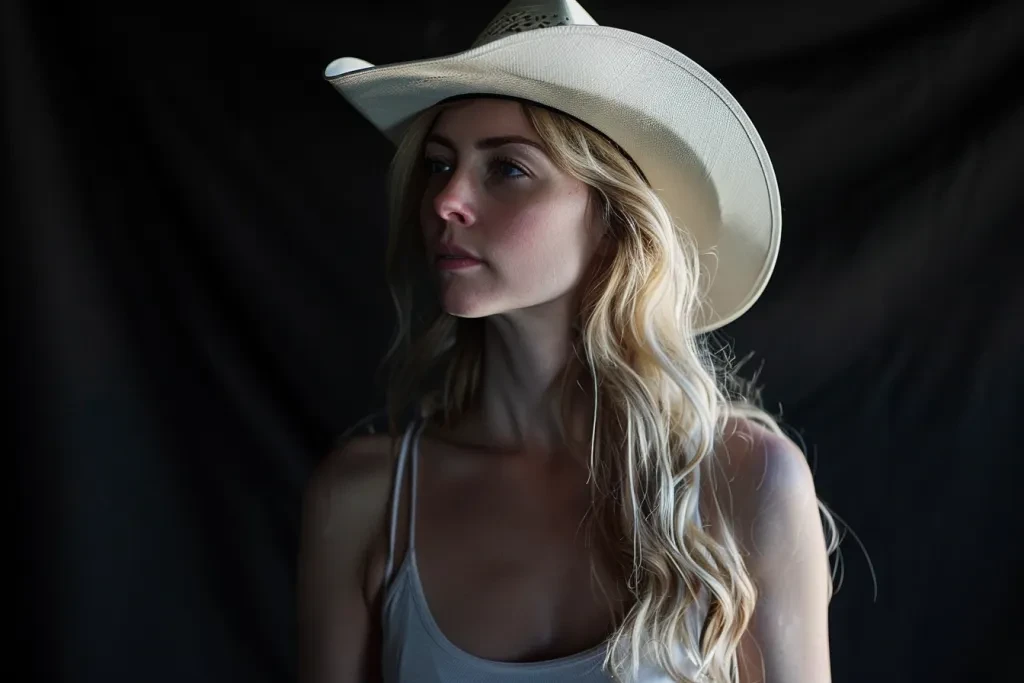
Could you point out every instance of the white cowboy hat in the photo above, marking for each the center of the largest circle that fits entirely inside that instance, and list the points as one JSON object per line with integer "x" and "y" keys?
{"x": 682, "y": 128}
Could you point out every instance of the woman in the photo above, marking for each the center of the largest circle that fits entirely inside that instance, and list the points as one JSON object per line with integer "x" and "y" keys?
{"x": 580, "y": 493}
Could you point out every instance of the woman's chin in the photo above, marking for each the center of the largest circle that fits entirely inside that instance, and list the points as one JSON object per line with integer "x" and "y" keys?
{"x": 462, "y": 306}
{"x": 464, "y": 300}
{"x": 463, "y": 311}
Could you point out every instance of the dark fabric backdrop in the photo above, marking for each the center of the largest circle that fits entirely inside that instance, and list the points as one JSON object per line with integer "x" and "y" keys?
{"x": 194, "y": 302}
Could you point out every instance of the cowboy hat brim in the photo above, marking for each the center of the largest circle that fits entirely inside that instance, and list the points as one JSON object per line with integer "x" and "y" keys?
{"x": 687, "y": 133}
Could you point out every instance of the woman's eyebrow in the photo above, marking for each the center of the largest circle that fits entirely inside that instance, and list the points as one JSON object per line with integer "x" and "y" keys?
{"x": 487, "y": 143}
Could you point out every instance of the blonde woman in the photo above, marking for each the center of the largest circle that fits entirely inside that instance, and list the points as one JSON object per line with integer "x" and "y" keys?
{"x": 570, "y": 488}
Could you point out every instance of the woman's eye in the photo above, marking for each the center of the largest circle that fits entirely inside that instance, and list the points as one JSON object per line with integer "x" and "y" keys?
{"x": 506, "y": 168}
{"x": 431, "y": 165}
{"x": 509, "y": 169}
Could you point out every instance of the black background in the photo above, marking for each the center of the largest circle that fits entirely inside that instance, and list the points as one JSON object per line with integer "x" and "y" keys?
{"x": 194, "y": 300}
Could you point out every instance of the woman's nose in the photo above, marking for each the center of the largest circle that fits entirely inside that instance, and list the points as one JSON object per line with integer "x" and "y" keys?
{"x": 455, "y": 202}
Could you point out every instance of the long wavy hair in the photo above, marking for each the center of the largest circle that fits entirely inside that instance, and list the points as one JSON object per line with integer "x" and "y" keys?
{"x": 662, "y": 396}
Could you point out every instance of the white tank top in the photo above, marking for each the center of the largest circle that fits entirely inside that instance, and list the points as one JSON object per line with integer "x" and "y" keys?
{"x": 414, "y": 648}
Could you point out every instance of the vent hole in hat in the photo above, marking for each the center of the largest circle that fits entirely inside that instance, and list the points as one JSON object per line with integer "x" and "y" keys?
{"x": 522, "y": 21}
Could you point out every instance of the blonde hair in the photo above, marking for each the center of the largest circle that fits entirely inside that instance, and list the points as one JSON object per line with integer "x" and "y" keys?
{"x": 662, "y": 395}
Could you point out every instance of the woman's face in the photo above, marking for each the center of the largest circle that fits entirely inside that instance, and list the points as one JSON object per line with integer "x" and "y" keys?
{"x": 530, "y": 227}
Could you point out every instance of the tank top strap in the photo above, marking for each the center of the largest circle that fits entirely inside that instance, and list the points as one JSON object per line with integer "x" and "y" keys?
{"x": 408, "y": 451}
{"x": 414, "y": 456}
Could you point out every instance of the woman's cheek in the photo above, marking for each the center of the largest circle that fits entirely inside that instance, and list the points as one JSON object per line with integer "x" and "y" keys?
{"x": 521, "y": 236}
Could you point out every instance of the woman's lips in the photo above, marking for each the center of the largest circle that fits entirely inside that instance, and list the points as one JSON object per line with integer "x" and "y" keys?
{"x": 456, "y": 262}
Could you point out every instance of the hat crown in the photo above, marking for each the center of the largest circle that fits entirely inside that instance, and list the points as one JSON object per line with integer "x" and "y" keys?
{"x": 527, "y": 15}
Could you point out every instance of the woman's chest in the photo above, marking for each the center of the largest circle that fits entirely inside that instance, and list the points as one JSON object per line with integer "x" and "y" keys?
{"x": 507, "y": 566}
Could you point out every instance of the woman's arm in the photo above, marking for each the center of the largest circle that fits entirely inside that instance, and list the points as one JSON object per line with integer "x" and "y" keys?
{"x": 343, "y": 508}
{"x": 776, "y": 520}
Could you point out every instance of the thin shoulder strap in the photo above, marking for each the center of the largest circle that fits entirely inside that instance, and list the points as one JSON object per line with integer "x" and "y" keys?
{"x": 396, "y": 497}
{"x": 408, "y": 450}
{"x": 415, "y": 456}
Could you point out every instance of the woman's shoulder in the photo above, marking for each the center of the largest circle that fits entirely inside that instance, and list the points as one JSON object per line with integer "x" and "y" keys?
{"x": 769, "y": 481}
{"x": 759, "y": 459}
{"x": 343, "y": 519}
{"x": 351, "y": 484}
{"x": 353, "y": 462}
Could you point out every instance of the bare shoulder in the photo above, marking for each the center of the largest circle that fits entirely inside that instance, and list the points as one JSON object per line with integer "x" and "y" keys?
{"x": 763, "y": 468}
{"x": 765, "y": 489}
{"x": 343, "y": 519}
{"x": 773, "y": 512}
{"x": 362, "y": 455}
{"x": 350, "y": 485}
